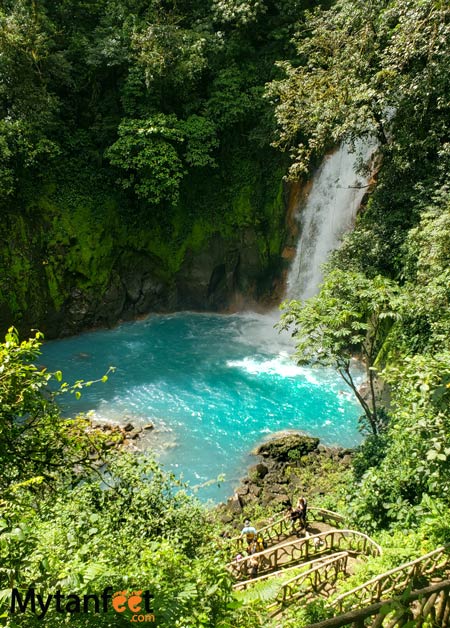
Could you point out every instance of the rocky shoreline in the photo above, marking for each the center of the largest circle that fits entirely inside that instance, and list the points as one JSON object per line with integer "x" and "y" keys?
{"x": 290, "y": 465}
{"x": 120, "y": 435}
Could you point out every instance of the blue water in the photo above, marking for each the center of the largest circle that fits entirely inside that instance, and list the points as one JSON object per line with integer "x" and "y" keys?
{"x": 214, "y": 386}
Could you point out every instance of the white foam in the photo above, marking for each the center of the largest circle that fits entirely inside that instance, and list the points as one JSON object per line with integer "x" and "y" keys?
{"x": 280, "y": 365}
{"x": 258, "y": 331}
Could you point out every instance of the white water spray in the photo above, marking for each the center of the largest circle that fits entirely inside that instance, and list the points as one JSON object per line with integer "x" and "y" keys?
{"x": 329, "y": 212}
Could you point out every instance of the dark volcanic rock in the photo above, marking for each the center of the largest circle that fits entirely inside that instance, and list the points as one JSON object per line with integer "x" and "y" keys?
{"x": 206, "y": 279}
{"x": 288, "y": 448}
{"x": 275, "y": 499}
{"x": 258, "y": 471}
{"x": 292, "y": 465}
{"x": 234, "y": 504}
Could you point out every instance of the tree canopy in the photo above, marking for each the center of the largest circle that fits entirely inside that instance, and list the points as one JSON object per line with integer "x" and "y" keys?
{"x": 366, "y": 69}
{"x": 380, "y": 70}
{"x": 170, "y": 114}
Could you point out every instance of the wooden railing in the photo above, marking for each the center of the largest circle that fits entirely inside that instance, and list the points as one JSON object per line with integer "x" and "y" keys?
{"x": 284, "y": 573}
{"x": 322, "y": 514}
{"x": 301, "y": 549}
{"x": 312, "y": 580}
{"x": 282, "y": 528}
{"x": 432, "y": 603}
{"x": 395, "y": 580}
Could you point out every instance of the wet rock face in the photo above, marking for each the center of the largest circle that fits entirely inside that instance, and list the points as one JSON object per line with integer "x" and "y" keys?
{"x": 223, "y": 274}
{"x": 210, "y": 279}
{"x": 258, "y": 471}
{"x": 207, "y": 278}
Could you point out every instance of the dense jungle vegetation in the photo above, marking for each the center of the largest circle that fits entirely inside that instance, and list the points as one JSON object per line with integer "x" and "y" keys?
{"x": 132, "y": 134}
{"x": 114, "y": 113}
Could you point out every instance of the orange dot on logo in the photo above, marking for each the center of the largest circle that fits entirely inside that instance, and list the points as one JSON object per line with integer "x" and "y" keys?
{"x": 118, "y": 601}
{"x": 134, "y": 601}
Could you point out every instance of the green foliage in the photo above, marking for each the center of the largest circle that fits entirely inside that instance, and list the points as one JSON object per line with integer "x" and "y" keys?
{"x": 129, "y": 530}
{"x": 261, "y": 593}
{"x": 131, "y": 127}
{"x": 370, "y": 454}
{"x": 416, "y": 463}
{"x": 421, "y": 412}
{"x": 167, "y": 94}
{"x": 398, "y": 548}
{"x": 428, "y": 272}
{"x": 229, "y": 101}
{"x": 434, "y": 522}
{"x": 298, "y": 615}
{"x": 146, "y": 152}
{"x": 128, "y": 525}
{"x": 200, "y": 137}
{"x": 391, "y": 85}
{"x": 166, "y": 51}
{"x": 239, "y": 12}
{"x": 26, "y": 104}
{"x": 35, "y": 442}
{"x": 352, "y": 315}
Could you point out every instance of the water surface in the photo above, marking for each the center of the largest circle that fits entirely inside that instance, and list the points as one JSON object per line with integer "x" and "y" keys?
{"x": 214, "y": 386}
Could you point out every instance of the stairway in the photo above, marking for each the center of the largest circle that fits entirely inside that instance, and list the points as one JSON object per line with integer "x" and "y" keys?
{"x": 301, "y": 565}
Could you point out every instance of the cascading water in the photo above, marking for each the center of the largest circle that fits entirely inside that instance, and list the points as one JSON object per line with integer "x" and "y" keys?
{"x": 329, "y": 212}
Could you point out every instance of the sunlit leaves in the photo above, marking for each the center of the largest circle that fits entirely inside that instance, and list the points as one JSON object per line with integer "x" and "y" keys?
{"x": 153, "y": 153}
{"x": 240, "y": 12}
{"x": 35, "y": 441}
{"x": 428, "y": 271}
{"x": 417, "y": 460}
{"x": 165, "y": 49}
{"x": 379, "y": 69}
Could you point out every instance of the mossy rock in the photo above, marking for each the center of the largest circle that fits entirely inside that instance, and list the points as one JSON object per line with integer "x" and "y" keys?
{"x": 288, "y": 448}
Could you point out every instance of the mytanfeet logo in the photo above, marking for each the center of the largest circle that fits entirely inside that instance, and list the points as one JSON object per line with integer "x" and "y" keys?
{"x": 139, "y": 603}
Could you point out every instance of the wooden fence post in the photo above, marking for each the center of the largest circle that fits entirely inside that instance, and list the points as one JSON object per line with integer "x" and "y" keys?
{"x": 441, "y": 607}
{"x": 446, "y": 613}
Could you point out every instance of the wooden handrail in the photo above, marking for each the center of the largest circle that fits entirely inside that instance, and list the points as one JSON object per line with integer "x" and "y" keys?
{"x": 330, "y": 514}
{"x": 356, "y": 616}
{"x": 299, "y": 549}
{"x": 320, "y": 512}
{"x": 290, "y": 590}
{"x": 375, "y": 588}
{"x": 276, "y": 574}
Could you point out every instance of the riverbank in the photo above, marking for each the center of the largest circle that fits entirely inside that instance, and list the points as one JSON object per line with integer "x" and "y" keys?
{"x": 288, "y": 465}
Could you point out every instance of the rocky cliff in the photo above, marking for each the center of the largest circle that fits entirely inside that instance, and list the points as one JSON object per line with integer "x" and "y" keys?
{"x": 78, "y": 255}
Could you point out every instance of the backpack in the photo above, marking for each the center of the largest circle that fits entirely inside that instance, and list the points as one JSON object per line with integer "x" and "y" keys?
{"x": 250, "y": 537}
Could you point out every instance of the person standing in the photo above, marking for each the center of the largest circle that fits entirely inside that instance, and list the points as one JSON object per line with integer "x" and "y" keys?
{"x": 249, "y": 532}
{"x": 254, "y": 565}
{"x": 302, "y": 507}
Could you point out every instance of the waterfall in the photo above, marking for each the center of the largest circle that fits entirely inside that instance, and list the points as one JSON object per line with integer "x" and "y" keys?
{"x": 329, "y": 212}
